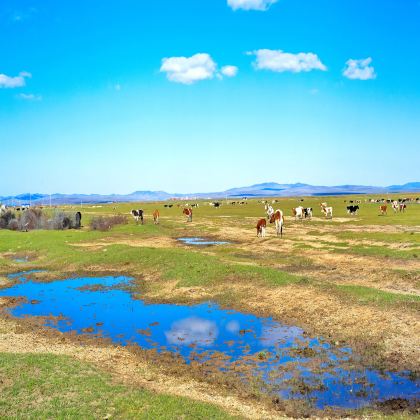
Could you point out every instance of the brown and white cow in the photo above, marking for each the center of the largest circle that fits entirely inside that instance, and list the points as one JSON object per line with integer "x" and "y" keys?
{"x": 328, "y": 211}
{"x": 261, "y": 225}
{"x": 383, "y": 209}
{"x": 298, "y": 213}
{"x": 278, "y": 218}
{"x": 188, "y": 213}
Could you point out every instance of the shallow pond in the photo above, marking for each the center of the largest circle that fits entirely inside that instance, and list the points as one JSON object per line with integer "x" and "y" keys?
{"x": 288, "y": 362}
{"x": 201, "y": 241}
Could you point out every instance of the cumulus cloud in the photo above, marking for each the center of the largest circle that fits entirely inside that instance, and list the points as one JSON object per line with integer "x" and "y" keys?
{"x": 233, "y": 326}
{"x": 11, "y": 82}
{"x": 261, "y": 5}
{"x": 192, "y": 330}
{"x": 280, "y": 61}
{"x": 188, "y": 70}
{"x": 30, "y": 97}
{"x": 229, "y": 71}
{"x": 359, "y": 69}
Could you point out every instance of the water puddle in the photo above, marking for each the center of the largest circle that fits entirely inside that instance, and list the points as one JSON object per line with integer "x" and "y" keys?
{"x": 201, "y": 241}
{"x": 286, "y": 361}
{"x": 21, "y": 259}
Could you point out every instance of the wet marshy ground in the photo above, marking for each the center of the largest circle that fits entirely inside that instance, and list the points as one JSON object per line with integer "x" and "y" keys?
{"x": 284, "y": 359}
{"x": 201, "y": 241}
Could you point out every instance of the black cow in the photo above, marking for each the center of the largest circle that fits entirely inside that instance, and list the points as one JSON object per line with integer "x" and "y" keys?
{"x": 352, "y": 209}
{"x": 78, "y": 220}
{"x": 138, "y": 214}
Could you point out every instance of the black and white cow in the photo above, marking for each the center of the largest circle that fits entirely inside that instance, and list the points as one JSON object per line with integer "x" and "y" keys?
{"x": 352, "y": 210}
{"x": 138, "y": 214}
{"x": 307, "y": 212}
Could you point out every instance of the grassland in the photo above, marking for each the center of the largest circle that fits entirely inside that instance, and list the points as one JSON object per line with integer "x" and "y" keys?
{"x": 353, "y": 279}
{"x": 62, "y": 387}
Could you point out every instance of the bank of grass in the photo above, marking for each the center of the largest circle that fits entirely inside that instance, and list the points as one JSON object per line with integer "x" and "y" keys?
{"x": 368, "y": 295}
{"x": 408, "y": 237}
{"x": 49, "y": 386}
{"x": 189, "y": 267}
{"x": 380, "y": 251}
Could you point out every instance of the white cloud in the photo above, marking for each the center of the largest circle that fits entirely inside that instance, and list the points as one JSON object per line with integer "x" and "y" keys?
{"x": 280, "y": 61}
{"x": 233, "y": 326}
{"x": 261, "y": 5}
{"x": 188, "y": 70}
{"x": 14, "y": 82}
{"x": 30, "y": 97}
{"x": 229, "y": 71}
{"x": 192, "y": 330}
{"x": 359, "y": 69}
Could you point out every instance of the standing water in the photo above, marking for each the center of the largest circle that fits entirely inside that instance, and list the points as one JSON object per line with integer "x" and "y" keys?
{"x": 288, "y": 362}
{"x": 201, "y": 241}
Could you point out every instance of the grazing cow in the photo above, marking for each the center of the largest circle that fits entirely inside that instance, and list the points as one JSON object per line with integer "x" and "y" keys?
{"x": 261, "y": 225}
{"x": 194, "y": 205}
{"x": 298, "y": 213}
{"x": 403, "y": 207}
{"x": 308, "y": 211}
{"x": 383, "y": 209}
{"x": 395, "y": 206}
{"x": 78, "y": 220}
{"x": 188, "y": 213}
{"x": 328, "y": 211}
{"x": 269, "y": 209}
{"x": 278, "y": 218}
{"x": 352, "y": 209}
{"x": 156, "y": 215}
{"x": 138, "y": 214}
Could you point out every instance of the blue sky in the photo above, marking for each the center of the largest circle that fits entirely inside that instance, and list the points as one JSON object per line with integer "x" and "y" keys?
{"x": 203, "y": 95}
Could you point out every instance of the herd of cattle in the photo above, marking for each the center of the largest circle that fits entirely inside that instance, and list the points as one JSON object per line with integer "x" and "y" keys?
{"x": 277, "y": 216}
{"x": 272, "y": 216}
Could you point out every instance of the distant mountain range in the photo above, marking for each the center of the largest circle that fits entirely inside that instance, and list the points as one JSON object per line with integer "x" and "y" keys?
{"x": 268, "y": 189}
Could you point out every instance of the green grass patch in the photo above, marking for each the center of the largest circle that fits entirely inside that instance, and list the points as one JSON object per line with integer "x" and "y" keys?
{"x": 409, "y": 237}
{"x": 369, "y": 295}
{"x": 48, "y": 386}
{"x": 380, "y": 251}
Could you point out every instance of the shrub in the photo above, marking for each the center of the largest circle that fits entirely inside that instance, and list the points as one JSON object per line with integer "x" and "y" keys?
{"x": 31, "y": 219}
{"x": 13, "y": 225}
{"x": 106, "y": 223}
{"x": 6, "y": 218}
{"x": 61, "y": 220}
{"x": 34, "y": 218}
